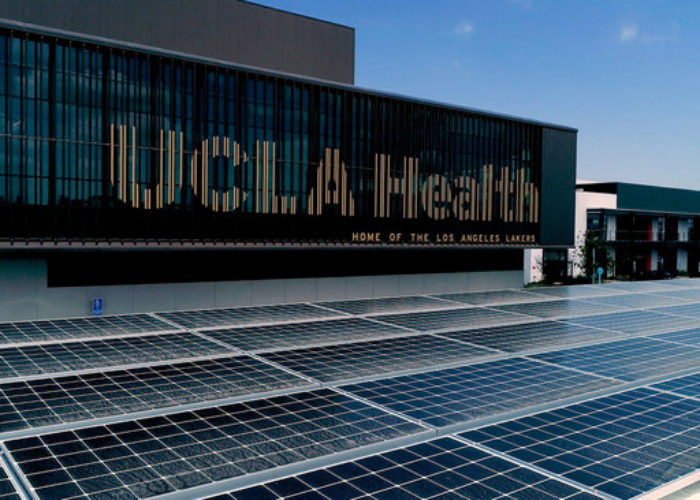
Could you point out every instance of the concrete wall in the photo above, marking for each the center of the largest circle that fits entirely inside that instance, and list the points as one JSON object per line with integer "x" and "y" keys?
{"x": 229, "y": 30}
{"x": 584, "y": 201}
{"x": 24, "y": 294}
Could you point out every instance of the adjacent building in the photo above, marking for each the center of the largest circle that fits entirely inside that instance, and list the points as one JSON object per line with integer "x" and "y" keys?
{"x": 632, "y": 231}
{"x": 220, "y": 147}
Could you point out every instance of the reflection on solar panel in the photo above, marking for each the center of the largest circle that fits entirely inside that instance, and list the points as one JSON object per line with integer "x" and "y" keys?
{"x": 576, "y": 291}
{"x": 346, "y": 361}
{"x": 638, "y": 286}
{"x": 443, "y": 468}
{"x": 622, "y": 445}
{"x": 629, "y": 359}
{"x": 692, "y": 294}
{"x": 153, "y": 456}
{"x": 638, "y": 300}
{"x": 492, "y": 297}
{"x": 683, "y": 282}
{"x": 558, "y": 308}
{"x": 54, "y": 358}
{"x": 43, "y": 402}
{"x": 528, "y": 336}
{"x": 7, "y": 489}
{"x": 636, "y": 322}
{"x": 455, "y": 395}
{"x": 274, "y": 337}
{"x": 689, "y": 337}
{"x": 61, "y": 329}
{"x": 474, "y": 317}
{"x": 690, "y": 310}
{"x": 244, "y": 316}
{"x": 685, "y": 386}
{"x": 387, "y": 305}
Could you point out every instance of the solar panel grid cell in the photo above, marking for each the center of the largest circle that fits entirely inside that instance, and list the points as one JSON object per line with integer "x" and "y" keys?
{"x": 276, "y": 337}
{"x": 638, "y": 301}
{"x": 528, "y": 336}
{"x": 81, "y": 355}
{"x": 244, "y": 316}
{"x": 338, "y": 362}
{"x": 473, "y": 317}
{"x": 43, "y": 402}
{"x": 685, "y": 386}
{"x": 637, "y": 322}
{"x": 688, "y": 337}
{"x": 148, "y": 457}
{"x": 62, "y": 329}
{"x": 622, "y": 445}
{"x": 443, "y": 468}
{"x": 457, "y": 395}
{"x": 689, "y": 310}
{"x": 566, "y": 308}
{"x": 387, "y": 305}
{"x": 629, "y": 359}
{"x": 7, "y": 489}
{"x": 493, "y": 297}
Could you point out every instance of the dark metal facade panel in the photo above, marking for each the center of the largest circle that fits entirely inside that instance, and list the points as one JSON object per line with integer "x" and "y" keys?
{"x": 558, "y": 187}
{"x": 659, "y": 199}
{"x": 230, "y": 30}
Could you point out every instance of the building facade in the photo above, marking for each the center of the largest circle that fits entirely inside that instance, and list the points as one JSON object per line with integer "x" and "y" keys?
{"x": 125, "y": 164}
{"x": 631, "y": 231}
{"x": 647, "y": 231}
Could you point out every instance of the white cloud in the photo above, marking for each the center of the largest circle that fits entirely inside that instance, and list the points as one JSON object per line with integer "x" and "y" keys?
{"x": 628, "y": 32}
{"x": 631, "y": 33}
{"x": 464, "y": 28}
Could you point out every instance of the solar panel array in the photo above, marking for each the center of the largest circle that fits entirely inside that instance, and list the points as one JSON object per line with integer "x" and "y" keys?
{"x": 561, "y": 392}
{"x": 339, "y": 362}
{"x": 69, "y": 356}
{"x": 442, "y": 468}
{"x": 62, "y": 329}
{"x": 283, "y": 336}
{"x": 622, "y": 445}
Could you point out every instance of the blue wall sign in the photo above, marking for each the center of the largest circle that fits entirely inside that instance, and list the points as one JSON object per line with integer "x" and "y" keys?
{"x": 97, "y": 306}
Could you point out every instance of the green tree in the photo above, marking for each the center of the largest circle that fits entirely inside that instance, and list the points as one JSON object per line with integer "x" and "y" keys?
{"x": 595, "y": 244}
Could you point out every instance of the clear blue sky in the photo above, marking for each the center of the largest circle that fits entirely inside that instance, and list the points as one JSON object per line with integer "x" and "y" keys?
{"x": 626, "y": 73}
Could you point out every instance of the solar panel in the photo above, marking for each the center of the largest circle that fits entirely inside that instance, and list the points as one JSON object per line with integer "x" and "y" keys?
{"x": 492, "y": 297}
{"x": 575, "y": 291}
{"x": 387, "y": 305}
{"x": 443, "y": 468}
{"x": 473, "y": 317}
{"x": 566, "y": 308}
{"x": 638, "y": 300}
{"x": 246, "y": 316}
{"x": 689, "y": 310}
{"x": 339, "y": 362}
{"x": 7, "y": 488}
{"x": 62, "y": 329}
{"x": 639, "y": 286}
{"x": 50, "y": 401}
{"x": 456, "y": 395}
{"x": 529, "y": 336}
{"x": 637, "y": 322}
{"x": 629, "y": 359}
{"x": 683, "y": 282}
{"x": 622, "y": 445}
{"x": 158, "y": 455}
{"x": 692, "y": 294}
{"x": 689, "y": 337}
{"x": 685, "y": 386}
{"x": 275, "y": 337}
{"x": 61, "y": 357}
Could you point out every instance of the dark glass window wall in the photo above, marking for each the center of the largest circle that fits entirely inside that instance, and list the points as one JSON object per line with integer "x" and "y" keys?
{"x": 102, "y": 143}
